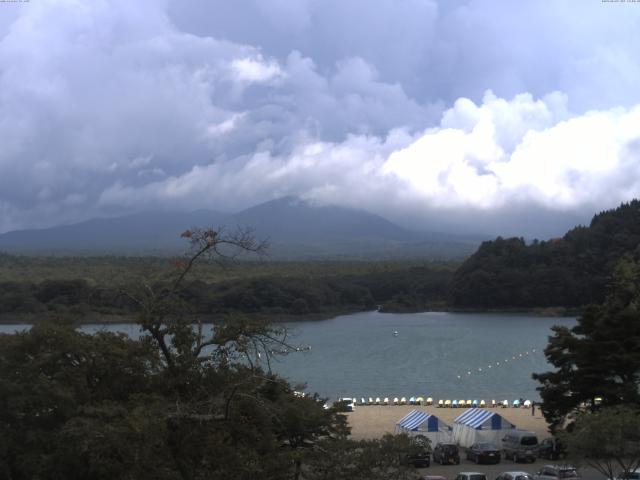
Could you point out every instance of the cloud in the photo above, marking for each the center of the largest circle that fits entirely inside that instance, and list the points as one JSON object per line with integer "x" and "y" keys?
{"x": 254, "y": 70}
{"x": 447, "y": 49}
{"x": 411, "y": 109}
{"x": 538, "y": 156}
{"x": 490, "y": 161}
{"x": 88, "y": 89}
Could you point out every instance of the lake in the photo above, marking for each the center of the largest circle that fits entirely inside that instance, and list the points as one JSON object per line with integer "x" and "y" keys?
{"x": 442, "y": 355}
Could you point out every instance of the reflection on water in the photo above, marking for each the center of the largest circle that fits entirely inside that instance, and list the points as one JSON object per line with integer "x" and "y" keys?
{"x": 443, "y": 355}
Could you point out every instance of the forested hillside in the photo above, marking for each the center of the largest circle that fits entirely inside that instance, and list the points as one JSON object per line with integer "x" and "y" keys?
{"x": 567, "y": 272}
{"x": 93, "y": 289}
{"x": 571, "y": 271}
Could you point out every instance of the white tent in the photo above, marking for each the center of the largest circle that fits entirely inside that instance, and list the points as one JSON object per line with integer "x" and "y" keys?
{"x": 421, "y": 423}
{"x": 479, "y": 425}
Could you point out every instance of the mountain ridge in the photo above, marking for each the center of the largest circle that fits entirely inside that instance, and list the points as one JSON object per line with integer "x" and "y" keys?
{"x": 295, "y": 228}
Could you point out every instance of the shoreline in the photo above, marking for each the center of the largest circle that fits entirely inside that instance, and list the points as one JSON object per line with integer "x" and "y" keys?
{"x": 94, "y": 318}
{"x": 373, "y": 421}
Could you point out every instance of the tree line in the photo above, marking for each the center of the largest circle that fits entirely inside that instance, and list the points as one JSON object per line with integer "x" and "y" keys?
{"x": 570, "y": 272}
{"x": 285, "y": 296}
{"x": 591, "y": 399}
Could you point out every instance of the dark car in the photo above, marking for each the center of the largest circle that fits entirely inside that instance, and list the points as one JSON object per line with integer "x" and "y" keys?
{"x": 483, "y": 453}
{"x": 418, "y": 459}
{"x": 446, "y": 453}
{"x": 551, "y": 448}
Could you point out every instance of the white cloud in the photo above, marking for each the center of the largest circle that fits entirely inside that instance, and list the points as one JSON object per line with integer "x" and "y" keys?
{"x": 226, "y": 126}
{"x": 255, "y": 70}
{"x": 540, "y": 156}
{"x": 476, "y": 161}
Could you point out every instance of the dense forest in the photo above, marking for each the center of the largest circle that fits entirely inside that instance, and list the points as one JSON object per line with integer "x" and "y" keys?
{"x": 92, "y": 289}
{"x": 568, "y": 272}
{"x": 571, "y": 271}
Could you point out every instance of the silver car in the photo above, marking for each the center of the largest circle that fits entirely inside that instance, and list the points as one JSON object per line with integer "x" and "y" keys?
{"x": 471, "y": 476}
{"x": 516, "y": 475}
{"x": 555, "y": 472}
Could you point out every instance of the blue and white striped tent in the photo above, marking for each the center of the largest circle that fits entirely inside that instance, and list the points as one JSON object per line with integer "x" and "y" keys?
{"x": 480, "y": 425}
{"x": 425, "y": 424}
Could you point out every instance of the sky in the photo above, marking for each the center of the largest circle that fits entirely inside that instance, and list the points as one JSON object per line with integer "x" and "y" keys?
{"x": 493, "y": 117}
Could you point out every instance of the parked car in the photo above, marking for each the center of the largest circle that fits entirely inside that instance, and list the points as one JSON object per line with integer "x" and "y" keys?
{"x": 555, "y": 472}
{"x": 420, "y": 454}
{"x": 349, "y": 403}
{"x": 418, "y": 459}
{"x": 514, "y": 476}
{"x": 520, "y": 445}
{"x": 551, "y": 448}
{"x": 483, "y": 453}
{"x": 446, "y": 453}
{"x": 471, "y": 476}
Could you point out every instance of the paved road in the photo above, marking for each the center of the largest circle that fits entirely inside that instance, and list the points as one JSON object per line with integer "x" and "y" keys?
{"x": 492, "y": 471}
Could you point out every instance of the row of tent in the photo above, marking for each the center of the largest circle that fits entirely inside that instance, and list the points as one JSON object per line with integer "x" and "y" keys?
{"x": 472, "y": 426}
{"x": 442, "y": 403}
{"x": 482, "y": 404}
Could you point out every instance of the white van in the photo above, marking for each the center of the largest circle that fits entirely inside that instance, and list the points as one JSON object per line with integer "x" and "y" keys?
{"x": 350, "y": 403}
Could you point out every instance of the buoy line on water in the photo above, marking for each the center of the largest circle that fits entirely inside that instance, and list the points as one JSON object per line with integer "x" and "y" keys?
{"x": 497, "y": 364}
{"x": 351, "y": 402}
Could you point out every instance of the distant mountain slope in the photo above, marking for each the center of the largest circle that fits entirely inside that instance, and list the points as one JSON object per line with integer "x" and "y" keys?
{"x": 150, "y": 232}
{"x": 300, "y": 230}
{"x": 295, "y": 228}
{"x": 292, "y": 220}
{"x": 571, "y": 271}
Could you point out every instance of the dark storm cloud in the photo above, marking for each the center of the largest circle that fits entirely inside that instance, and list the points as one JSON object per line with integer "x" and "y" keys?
{"x": 457, "y": 114}
{"x": 448, "y": 49}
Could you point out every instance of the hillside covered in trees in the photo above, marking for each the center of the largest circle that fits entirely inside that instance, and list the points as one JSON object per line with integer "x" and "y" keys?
{"x": 91, "y": 289}
{"x": 571, "y": 271}
{"x": 568, "y": 272}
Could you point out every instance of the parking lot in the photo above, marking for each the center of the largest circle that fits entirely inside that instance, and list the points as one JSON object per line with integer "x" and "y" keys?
{"x": 492, "y": 471}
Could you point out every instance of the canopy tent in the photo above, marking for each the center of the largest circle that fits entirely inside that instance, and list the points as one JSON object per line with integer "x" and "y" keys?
{"x": 478, "y": 425}
{"x": 421, "y": 423}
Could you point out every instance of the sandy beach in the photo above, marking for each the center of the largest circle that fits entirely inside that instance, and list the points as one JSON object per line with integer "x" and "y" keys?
{"x": 373, "y": 421}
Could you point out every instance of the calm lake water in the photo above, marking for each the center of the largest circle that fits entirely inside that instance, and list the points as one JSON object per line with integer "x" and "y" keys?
{"x": 434, "y": 354}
